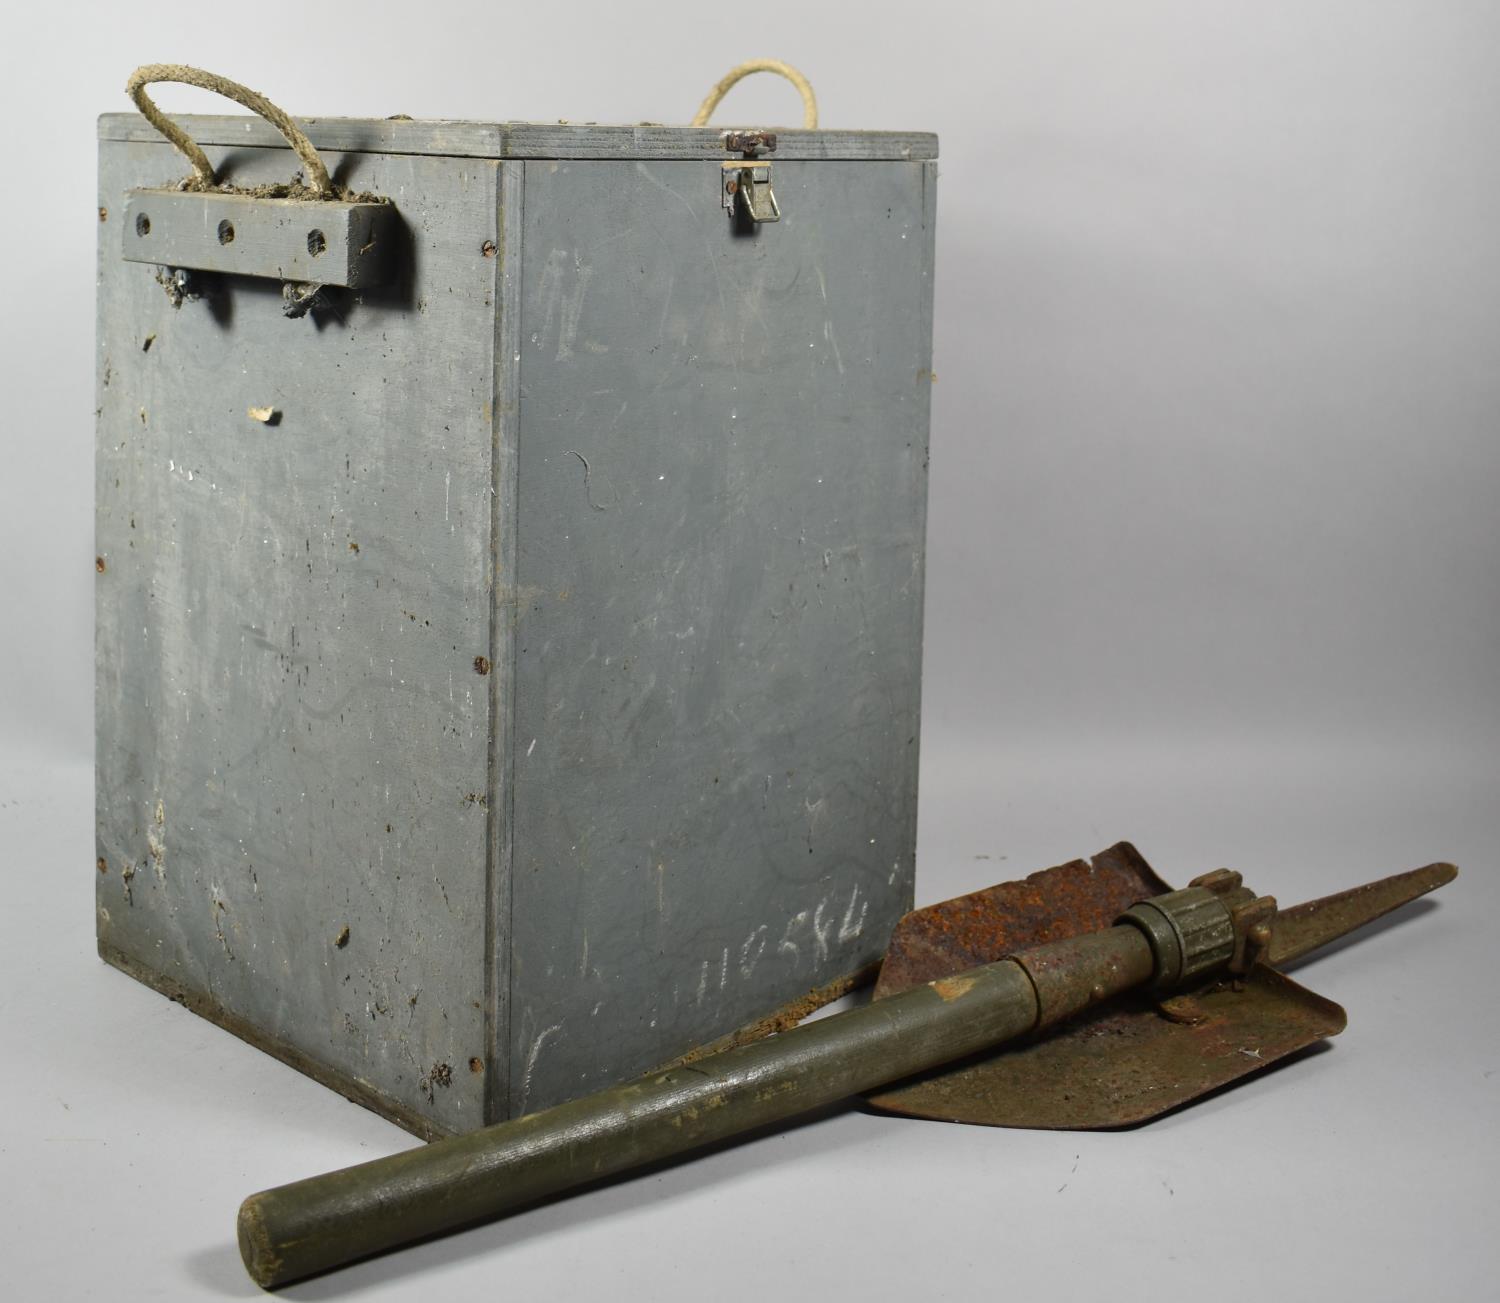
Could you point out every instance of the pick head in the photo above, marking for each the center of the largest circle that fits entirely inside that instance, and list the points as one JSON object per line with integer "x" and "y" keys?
{"x": 1305, "y": 927}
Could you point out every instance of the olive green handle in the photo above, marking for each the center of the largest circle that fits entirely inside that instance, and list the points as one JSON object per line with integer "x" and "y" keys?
{"x": 311, "y": 1226}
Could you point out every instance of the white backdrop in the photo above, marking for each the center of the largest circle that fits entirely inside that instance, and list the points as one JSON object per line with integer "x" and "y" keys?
{"x": 1213, "y": 565}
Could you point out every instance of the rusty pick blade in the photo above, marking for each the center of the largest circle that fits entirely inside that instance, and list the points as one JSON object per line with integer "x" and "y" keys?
{"x": 1305, "y": 927}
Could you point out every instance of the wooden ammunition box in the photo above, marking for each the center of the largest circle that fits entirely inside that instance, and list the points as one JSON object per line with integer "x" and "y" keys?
{"x": 509, "y": 589}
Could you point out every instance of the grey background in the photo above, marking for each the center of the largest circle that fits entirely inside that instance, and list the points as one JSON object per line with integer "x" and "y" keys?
{"x": 1212, "y": 566}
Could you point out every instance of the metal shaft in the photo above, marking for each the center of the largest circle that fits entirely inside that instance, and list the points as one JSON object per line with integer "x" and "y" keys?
{"x": 298, "y": 1230}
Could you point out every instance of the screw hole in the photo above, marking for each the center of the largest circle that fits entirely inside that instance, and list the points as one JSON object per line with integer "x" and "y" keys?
{"x": 316, "y": 242}
{"x": 226, "y": 232}
{"x": 142, "y": 225}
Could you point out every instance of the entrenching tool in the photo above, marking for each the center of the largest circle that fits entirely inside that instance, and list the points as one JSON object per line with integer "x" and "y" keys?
{"x": 1166, "y": 995}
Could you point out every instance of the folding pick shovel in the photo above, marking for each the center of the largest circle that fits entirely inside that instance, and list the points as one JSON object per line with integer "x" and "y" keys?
{"x": 1156, "y": 997}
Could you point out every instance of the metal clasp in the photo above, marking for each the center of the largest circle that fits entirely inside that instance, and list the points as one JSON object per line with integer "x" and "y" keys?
{"x": 749, "y": 184}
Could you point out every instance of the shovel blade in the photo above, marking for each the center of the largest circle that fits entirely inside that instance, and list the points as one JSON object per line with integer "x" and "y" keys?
{"x": 1128, "y": 1062}
{"x": 1117, "y": 1066}
{"x": 1053, "y": 905}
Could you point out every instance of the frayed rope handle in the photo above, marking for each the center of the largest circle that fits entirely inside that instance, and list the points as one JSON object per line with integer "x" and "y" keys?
{"x": 316, "y": 174}
{"x": 804, "y": 88}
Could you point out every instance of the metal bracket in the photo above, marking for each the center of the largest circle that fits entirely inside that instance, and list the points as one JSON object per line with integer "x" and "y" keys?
{"x": 750, "y": 143}
{"x": 1250, "y": 916}
{"x": 317, "y": 242}
{"x": 748, "y": 184}
{"x": 1214, "y": 922}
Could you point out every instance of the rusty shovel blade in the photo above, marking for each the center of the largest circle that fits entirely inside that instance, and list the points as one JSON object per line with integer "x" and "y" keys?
{"x": 1132, "y": 1060}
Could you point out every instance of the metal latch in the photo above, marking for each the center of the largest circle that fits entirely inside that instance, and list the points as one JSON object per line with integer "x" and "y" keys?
{"x": 749, "y": 183}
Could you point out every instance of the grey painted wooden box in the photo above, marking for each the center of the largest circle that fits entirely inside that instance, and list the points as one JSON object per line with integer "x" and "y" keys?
{"x": 533, "y": 696}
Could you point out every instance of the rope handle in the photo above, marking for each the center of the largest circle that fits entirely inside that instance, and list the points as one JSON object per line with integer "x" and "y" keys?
{"x": 804, "y": 88}
{"x": 316, "y": 174}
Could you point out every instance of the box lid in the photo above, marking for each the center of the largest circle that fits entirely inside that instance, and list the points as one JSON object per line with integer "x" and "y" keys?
{"x": 545, "y": 140}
